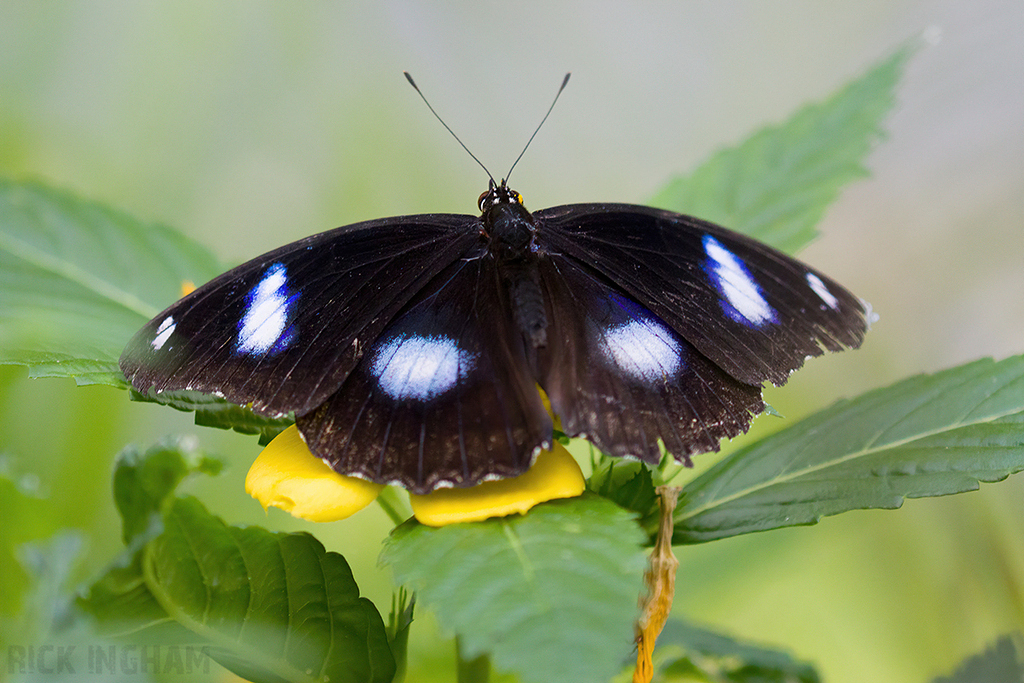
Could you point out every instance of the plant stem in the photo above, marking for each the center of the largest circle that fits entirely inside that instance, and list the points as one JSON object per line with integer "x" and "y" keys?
{"x": 476, "y": 670}
{"x": 395, "y": 508}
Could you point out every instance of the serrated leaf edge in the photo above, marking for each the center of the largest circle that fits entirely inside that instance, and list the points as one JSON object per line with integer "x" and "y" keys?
{"x": 868, "y": 450}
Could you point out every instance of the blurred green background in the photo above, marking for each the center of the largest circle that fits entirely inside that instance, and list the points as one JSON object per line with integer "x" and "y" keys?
{"x": 249, "y": 124}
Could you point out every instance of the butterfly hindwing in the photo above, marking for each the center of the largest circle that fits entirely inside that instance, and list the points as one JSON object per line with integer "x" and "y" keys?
{"x": 284, "y": 330}
{"x": 752, "y": 310}
{"x": 444, "y": 396}
{"x": 620, "y": 375}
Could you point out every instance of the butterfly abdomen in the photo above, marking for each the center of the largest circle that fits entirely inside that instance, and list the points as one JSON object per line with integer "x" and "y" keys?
{"x": 527, "y": 300}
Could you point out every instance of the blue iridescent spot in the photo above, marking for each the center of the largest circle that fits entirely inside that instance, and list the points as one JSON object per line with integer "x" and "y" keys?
{"x": 264, "y": 327}
{"x": 742, "y": 298}
{"x": 419, "y": 367}
{"x": 640, "y": 344}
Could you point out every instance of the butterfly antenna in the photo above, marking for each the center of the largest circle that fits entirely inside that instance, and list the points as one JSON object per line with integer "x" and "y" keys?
{"x": 436, "y": 116}
{"x": 565, "y": 81}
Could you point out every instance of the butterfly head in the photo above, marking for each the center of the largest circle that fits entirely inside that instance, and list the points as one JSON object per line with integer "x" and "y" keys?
{"x": 497, "y": 195}
{"x": 506, "y": 222}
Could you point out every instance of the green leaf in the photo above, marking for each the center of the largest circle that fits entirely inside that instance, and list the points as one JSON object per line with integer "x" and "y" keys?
{"x": 551, "y": 595}
{"x": 689, "y": 652}
{"x": 78, "y": 279}
{"x": 403, "y": 604}
{"x": 270, "y": 604}
{"x": 24, "y": 517}
{"x": 270, "y": 607}
{"x": 1004, "y": 661}
{"x": 627, "y": 483}
{"x": 49, "y": 565}
{"x": 212, "y": 411}
{"x": 929, "y": 435}
{"x": 776, "y": 185}
{"x": 144, "y": 482}
{"x": 123, "y": 606}
{"x": 144, "y": 487}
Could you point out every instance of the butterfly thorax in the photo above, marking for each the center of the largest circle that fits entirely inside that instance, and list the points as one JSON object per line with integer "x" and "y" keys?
{"x": 509, "y": 227}
{"x": 511, "y": 232}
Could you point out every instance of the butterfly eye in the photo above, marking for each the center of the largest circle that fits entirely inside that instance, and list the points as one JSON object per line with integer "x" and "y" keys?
{"x": 480, "y": 202}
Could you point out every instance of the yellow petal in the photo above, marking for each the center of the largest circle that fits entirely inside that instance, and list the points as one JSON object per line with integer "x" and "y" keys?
{"x": 287, "y": 476}
{"x": 555, "y": 474}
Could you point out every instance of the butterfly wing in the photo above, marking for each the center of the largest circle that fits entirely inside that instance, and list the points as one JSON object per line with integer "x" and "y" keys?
{"x": 443, "y": 397}
{"x": 622, "y": 377}
{"x": 284, "y": 330}
{"x": 753, "y": 311}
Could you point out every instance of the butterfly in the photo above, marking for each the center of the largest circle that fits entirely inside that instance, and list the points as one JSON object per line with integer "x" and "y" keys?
{"x": 410, "y": 349}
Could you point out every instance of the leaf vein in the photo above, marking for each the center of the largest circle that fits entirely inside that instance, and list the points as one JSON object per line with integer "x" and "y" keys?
{"x": 796, "y": 474}
{"x": 74, "y": 273}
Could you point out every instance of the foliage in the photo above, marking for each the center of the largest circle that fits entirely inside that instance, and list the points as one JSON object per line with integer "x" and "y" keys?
{"x": 1003, "y": 661}
{"x": 269, "y": 606}
{"x": 930, "y": 435}
{"x": 688, "y": 651}
{"x": 530, "y": 588}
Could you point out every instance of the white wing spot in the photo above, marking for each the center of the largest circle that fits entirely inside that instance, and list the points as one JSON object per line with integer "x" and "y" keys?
{"x": 266, "y": 313}
{"x": 743, "y": 298}
{"x": 163, "y": 333}
{"x": 822, "y": 291}
{"x": 644, "y": 349}
{"x": 419, "y": 367}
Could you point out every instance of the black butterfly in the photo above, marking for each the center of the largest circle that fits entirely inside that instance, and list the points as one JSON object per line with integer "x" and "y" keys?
{"x": 410, "y": 348}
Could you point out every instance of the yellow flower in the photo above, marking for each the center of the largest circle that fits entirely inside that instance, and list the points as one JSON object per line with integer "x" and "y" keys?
{"x": 287, "y": 476}
{"x": 554, "y": 474}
